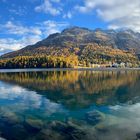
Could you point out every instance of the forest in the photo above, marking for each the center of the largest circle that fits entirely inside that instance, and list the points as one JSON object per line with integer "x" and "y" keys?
{"x": 40, "y": 61}
{"x": 87, "y": 56}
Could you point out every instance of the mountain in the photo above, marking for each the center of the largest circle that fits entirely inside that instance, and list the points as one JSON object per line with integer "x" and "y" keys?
{"x": 88, "y": 45}
{"x": 76, "y": 37}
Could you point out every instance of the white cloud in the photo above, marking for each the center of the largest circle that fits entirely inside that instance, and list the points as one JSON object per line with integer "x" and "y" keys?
{"x": 48, "y": 7}
{"x": 51, "y": 27}
{"x": 23, "y": 35}
{"x": 39, "y": 29}
{"x": 18, "y": 10}
{"x": 118, "y": 13}
{"x": 10, "y": 44}
{"x": 67, "y": 15}
{"x": 18, "y": 29}
{"x": 54, "y": 8}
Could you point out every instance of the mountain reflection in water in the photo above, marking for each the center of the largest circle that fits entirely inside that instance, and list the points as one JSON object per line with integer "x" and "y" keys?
{"x": 70, "y": 105}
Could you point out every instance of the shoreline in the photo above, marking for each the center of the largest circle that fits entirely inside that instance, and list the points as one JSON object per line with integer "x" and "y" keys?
{"x": 66, "y": 69}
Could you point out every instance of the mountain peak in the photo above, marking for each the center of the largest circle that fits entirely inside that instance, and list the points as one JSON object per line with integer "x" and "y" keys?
{"x": 75, "y": 30}
{"x": 78, "y": 37}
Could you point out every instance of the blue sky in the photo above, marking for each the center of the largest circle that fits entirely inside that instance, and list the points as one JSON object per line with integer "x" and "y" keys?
{"x": 24, "y": 22}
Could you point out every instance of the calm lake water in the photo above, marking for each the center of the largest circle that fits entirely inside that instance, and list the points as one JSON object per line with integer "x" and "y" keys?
{"x": 70, "y": 105}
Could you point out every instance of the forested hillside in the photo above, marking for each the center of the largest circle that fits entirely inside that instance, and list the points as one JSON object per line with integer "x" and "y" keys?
{"x": 78, "y": 46}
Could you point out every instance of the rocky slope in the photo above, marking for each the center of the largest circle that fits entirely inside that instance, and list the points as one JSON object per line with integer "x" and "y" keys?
{"x": 85, "y": 43}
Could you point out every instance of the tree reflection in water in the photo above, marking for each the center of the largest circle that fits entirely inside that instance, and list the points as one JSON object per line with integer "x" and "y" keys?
{"x": 70, "y": 105}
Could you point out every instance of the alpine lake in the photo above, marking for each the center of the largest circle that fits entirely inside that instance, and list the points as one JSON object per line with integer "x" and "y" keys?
{"x": 70, "y": 105}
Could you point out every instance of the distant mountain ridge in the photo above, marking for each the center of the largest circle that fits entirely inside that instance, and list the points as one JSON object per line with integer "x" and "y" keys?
{"x": 90, "y": 46}
{"x": 77, "y": 37}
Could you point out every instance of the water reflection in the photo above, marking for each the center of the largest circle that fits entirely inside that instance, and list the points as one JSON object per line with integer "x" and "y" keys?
{"x": 78, "y": 89}
{"x": 70, "y": 105}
